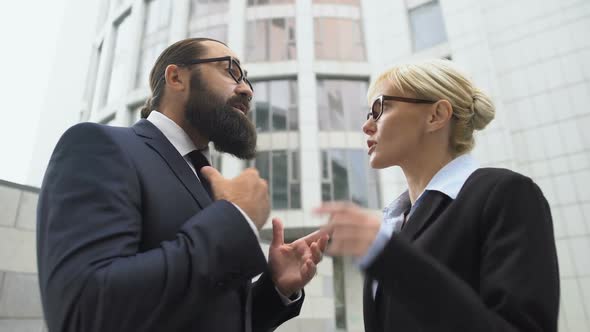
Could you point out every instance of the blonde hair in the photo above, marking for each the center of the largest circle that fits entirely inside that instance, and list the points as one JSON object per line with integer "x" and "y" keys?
{"x": 438, "y": 79}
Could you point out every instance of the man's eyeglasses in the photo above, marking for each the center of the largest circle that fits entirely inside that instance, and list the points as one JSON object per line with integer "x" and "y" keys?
{"x": 377, "y": 107}
{"x": 233, "y": 68}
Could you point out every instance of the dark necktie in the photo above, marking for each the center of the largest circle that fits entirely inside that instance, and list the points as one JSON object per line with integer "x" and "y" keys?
{"x": 198, "y": 160}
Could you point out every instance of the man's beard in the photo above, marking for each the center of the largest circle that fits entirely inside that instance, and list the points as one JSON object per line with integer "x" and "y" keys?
{"x": 216, "y": 119}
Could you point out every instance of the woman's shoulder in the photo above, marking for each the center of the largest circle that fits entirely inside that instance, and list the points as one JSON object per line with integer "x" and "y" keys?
{"x": 498, "y": 173}
{"x": 489, "y": 177}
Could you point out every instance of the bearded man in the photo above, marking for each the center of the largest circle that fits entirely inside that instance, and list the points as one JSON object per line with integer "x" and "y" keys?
{"x": 136, "y": 232}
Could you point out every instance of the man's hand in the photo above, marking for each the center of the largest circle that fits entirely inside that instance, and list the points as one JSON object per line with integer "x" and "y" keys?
{"x": 293, "y": 265}
{"x": 352, "y": 229}
{"x": 247, "y": 190}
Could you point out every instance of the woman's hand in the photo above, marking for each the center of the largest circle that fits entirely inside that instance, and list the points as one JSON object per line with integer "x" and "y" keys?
{"x": 352, "y": 229}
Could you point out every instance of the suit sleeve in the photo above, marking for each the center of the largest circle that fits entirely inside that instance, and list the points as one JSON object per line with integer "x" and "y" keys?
{"x": 92, "y": 275}
{"x": 519, "y": 279}
{"x": 268, "y": 310}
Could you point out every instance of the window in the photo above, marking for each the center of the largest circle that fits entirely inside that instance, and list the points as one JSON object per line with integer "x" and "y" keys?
{"x": 120, "y": 62}
{"x": 281, "y": 169}
{"x": 346, "y": 176}
{"x": 217, "y": 32}
{"x": 271, "y": 40}
{"x": 338, "y": 39}
{"x": 200, "y": 8}
{"x": 339, "y": 292}
{"x": 339, "y": 2}
{"x": 427, "y": 25}
{"x": 155, "y": 37}
{"x": 90, "y": 91}
{"x": 275, "y": 105}
{"x": 268, "y": 2}
{"x": 342, "y": 104}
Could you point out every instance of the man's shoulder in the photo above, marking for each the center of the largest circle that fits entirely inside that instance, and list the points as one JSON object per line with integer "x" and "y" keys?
{"x": 89, "y": 137}
{"x": 85, "y": 128}
{"x": 90, "y": 131}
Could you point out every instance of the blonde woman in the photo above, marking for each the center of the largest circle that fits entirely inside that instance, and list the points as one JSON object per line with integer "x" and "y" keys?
{"x": 464, "y": 248}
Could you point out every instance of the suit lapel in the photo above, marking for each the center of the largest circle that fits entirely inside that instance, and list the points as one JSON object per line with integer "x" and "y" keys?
{"x": 158, "y": 142}
{"x": 247, "y": 298}
{"x": 431, "y": 206}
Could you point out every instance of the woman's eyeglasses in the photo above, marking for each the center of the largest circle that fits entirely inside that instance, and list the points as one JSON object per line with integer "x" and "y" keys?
{"x": 377, "y": 107}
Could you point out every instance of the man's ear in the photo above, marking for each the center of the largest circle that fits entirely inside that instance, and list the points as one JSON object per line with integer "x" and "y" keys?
{"x": 176, "y": 77}
{"x": 441, "y": 113}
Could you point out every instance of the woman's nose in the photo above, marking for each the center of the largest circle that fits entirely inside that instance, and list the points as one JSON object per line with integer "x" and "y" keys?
{"x": 369, "y": 126}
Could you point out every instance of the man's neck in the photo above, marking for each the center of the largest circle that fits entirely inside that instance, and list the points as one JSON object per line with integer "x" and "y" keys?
{"x": 178, "y": 117}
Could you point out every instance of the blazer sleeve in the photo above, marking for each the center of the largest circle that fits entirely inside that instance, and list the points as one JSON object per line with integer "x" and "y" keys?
{"x": 519, "y": 279}
{"x": 92, "y": 276}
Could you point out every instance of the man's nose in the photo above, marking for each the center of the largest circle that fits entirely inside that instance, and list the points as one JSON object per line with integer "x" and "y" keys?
{"x": 244, "y": 89}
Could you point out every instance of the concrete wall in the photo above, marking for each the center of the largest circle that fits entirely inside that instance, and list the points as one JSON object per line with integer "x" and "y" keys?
{"x": 20, "y": 304}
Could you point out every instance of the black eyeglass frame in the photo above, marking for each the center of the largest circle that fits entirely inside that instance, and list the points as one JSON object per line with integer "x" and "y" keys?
{"x": 383, "y": 98}
{"x": 231, "y": 61}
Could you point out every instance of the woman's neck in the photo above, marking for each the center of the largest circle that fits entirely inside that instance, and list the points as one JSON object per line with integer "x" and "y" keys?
{"x": 422, "y": 167}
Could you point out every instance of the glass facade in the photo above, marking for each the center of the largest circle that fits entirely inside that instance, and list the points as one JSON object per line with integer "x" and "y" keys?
{"x": 339, "y": 2}
{"x": 338, "y": 39}
{"x": 270, "y": 40}
{"x": 200, "y": 8}
{"x": 269, "y": 2}
{"x": 427, "y": 25}
{"x": 346, "y": 176}
{"x": 155, "y": 37}
{"x": 342, "y": 104}
{"x": 275, "y": 105}
{"x": 119, "y": 71}
{"x": 200, "y": 27}
{"x": 281, "y": 169}
{"x": 217, "y": 32}
{"x": 339, "y": 292}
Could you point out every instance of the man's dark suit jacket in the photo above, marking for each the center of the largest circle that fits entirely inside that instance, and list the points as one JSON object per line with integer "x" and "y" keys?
{"x": 485, "y": 261}
{"x": 129, "y": 240}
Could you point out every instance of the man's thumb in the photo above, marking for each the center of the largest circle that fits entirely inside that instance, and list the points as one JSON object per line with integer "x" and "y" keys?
{"x": 210, "y": 173}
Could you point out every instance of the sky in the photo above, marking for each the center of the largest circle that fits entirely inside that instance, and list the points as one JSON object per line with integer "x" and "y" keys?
{"x": 29, "y": 32}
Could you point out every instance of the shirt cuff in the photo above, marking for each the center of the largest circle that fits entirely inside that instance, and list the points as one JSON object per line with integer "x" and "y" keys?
{"x": 383, "y": 236}
{"x": 286, "y": 300}
{"x": 250, "y": 222}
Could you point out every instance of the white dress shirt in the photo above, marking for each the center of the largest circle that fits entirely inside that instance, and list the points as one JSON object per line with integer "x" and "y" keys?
{"x": 184, "y": 145}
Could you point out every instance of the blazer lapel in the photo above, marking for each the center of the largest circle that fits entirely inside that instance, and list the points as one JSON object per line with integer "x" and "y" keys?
{"x": 431, "y": 206}
{"x": 369, "y": 307}
{"x": 158, "y": 142}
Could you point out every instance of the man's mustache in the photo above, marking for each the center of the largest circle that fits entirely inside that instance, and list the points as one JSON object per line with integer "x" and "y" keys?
{"x": 239, "y": 99}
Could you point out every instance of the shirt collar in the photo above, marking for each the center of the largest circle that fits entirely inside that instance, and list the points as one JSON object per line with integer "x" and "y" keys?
{"x": 450, "y": 179}
{"x": 176, "y": 135}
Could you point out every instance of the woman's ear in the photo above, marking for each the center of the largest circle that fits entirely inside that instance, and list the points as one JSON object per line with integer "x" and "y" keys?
{"x": 441, "y": 113}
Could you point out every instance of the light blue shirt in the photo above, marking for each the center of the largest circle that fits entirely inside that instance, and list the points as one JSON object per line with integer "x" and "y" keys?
{"x": 448, "y": 180}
